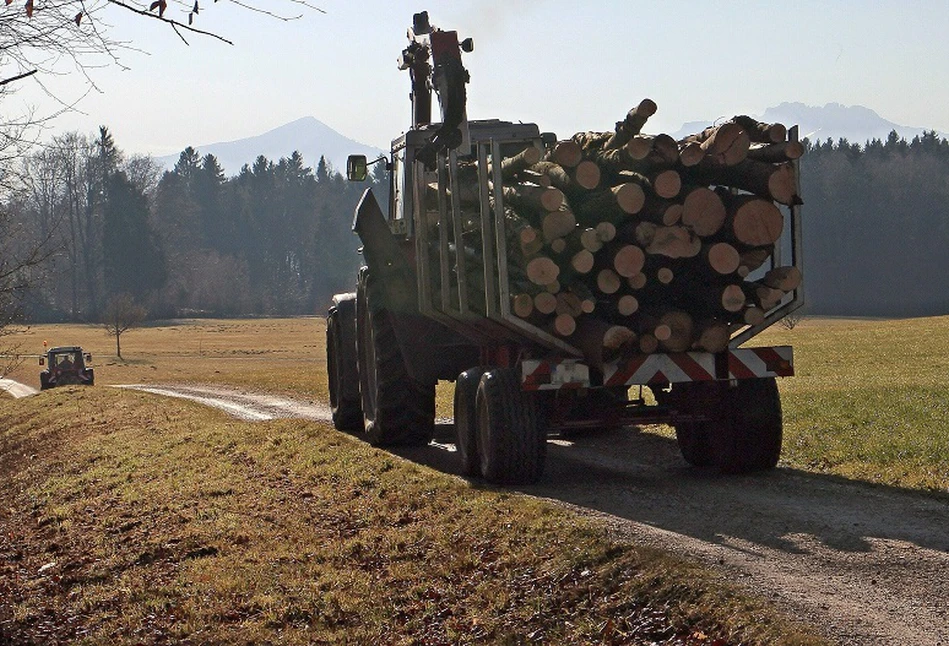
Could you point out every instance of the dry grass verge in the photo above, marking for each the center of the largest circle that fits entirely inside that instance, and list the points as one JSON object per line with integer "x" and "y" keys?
{"x": 128, "y": 519}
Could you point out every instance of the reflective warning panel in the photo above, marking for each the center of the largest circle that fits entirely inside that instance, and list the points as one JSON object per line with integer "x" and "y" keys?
{"x": 741, "y": 363}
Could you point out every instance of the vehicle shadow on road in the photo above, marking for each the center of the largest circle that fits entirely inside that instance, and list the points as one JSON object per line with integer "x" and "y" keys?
{"x": 640, "y": 477}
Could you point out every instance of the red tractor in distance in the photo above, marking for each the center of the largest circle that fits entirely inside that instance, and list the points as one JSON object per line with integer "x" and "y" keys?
{"x": 66, "y": 366}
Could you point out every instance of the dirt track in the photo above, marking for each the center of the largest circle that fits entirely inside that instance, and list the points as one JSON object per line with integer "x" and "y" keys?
{"x": 868, "y": 565}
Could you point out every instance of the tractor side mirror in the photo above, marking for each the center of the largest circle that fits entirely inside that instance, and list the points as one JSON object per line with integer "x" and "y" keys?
{"x": 356, "y": 168}
{"x": 42, "y": 361}
{"x": 88, "y": 357}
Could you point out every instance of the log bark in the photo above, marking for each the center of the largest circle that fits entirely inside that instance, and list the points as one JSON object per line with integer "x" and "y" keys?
{"x": 769, "y": 133}
{"x": 632, "y": 124}
{"x": 771, "y": 181}
{"x": 680, "y": 327}
{"x": 512, "y": 166}
{"x": 691, "y": 153}
{"x": 786, "y": 279}
{"x": 776, "y": 153}
{"x": 536, "y": 198}
{"x": 712, "y": 336}
{"x": 724, "y": 145}
{"x": 752, "y": 259}
{"x": 599, "y": 341}
{"x": 613, "y": 205}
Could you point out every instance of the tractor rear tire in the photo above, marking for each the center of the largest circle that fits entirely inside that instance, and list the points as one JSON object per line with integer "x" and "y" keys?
{"x": 750, "y": 438}
{"x": 466, "y": 414}
{"x": 512, "y": 443}
{"x": 397, "y": 409}
{"x": 341, "y": 367}
{"x": 44, "y": 381}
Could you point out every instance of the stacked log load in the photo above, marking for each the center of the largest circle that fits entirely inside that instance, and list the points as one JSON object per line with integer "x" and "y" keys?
{"x": 622, "y": 242}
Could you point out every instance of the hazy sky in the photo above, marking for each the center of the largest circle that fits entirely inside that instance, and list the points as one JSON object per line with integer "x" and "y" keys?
{"x": 567, "y": 66}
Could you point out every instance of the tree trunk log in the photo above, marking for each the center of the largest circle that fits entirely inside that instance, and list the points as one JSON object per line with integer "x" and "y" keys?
{"x": 703, "y": 211}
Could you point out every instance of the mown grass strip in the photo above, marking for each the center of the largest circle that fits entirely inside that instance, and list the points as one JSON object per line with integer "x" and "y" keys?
{"x": 131, "y": 519}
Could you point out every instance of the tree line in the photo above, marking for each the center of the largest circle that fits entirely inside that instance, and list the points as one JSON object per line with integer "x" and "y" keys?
{"x": 876, "y": 226}
{"x": 275, "y": 239}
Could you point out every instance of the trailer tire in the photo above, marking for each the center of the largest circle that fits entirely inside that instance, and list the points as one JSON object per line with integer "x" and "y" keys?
{"x": 750, "y": 438}
{"x": 341, "y": 368}
{"x": 397, "y": 410}
{"x": 694, "y": 443}
{"x": 512, "y": 444}
{"x": 466, "y": 415}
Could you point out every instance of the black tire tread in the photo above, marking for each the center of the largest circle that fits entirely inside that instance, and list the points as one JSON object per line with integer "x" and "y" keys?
{"x": 404, "y": 408}
{"x": 466, "y": 425}
{"x": 752, "y": 438}
{"x": 512, "y": 445}
{"x": 347, "y": 412}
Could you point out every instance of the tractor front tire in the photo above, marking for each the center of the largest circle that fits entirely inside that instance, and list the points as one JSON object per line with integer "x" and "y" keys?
{"x": 512, "y": 443}
{"x": 466, "y": 414}
{"x": 341, "y": 367}
{"x": 396, "y": 408}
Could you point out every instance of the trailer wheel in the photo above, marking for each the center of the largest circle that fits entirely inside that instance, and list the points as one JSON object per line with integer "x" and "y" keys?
{"x": 750, "y": 438}
{"x": 512, "y": 444}
{"x": 396, "y": 408}
{"x": 694, "y": 444}
{"x": 341, "y": 367}
{"x": 466, "y": 428}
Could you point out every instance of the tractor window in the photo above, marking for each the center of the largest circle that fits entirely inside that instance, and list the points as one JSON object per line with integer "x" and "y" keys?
{"x": 67, "y": 361}
{"x": 396, "y": 201}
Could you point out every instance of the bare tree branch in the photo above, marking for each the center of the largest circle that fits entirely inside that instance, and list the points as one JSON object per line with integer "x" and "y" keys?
{"x": 174, "y": 23}
{"x": 18, "y": 77}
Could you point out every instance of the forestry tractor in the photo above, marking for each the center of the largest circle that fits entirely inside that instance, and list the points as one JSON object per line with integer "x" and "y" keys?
{"x": 602, "y": 281}
{"x": 66, "y": 366}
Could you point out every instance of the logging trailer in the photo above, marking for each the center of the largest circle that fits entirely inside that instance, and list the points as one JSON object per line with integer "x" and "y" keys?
{"x": 450, "y": 289}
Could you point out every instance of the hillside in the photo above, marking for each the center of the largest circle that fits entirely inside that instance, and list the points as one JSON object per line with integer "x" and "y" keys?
{"x": 855, "y": 123}
{"x": 308, "y": 135}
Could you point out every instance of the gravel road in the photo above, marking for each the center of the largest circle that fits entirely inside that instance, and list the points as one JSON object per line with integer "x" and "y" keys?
{"x": 868, "y": 565}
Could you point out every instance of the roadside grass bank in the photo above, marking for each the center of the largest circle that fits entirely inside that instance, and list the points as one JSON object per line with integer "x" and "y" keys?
{"x": 870, "y": 400}
{"x": 127, "y": 520}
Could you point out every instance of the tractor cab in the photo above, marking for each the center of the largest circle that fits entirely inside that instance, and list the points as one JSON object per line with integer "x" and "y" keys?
{"x": 67, "y": 365}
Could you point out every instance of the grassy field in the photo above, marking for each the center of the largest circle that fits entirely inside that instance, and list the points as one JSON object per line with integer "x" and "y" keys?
{"x": 870, "y": 400}
{"x": 127, "y": 522}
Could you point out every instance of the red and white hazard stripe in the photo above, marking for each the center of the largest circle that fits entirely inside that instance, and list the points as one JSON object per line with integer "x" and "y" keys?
{"x": 740, "y": 363}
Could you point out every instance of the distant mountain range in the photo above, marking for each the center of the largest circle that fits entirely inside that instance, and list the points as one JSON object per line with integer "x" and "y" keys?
{"x": 310, "y": 136}
{"x": 855, "y": 123}
{"x": 313, "y": 138}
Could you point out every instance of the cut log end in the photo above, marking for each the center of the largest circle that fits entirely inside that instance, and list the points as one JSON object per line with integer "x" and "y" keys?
{"x": 542, "y": 270}
{"x": 667, "y": 184}
{"x": 723, "y": 258}
{"x": 629, "y": 260}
